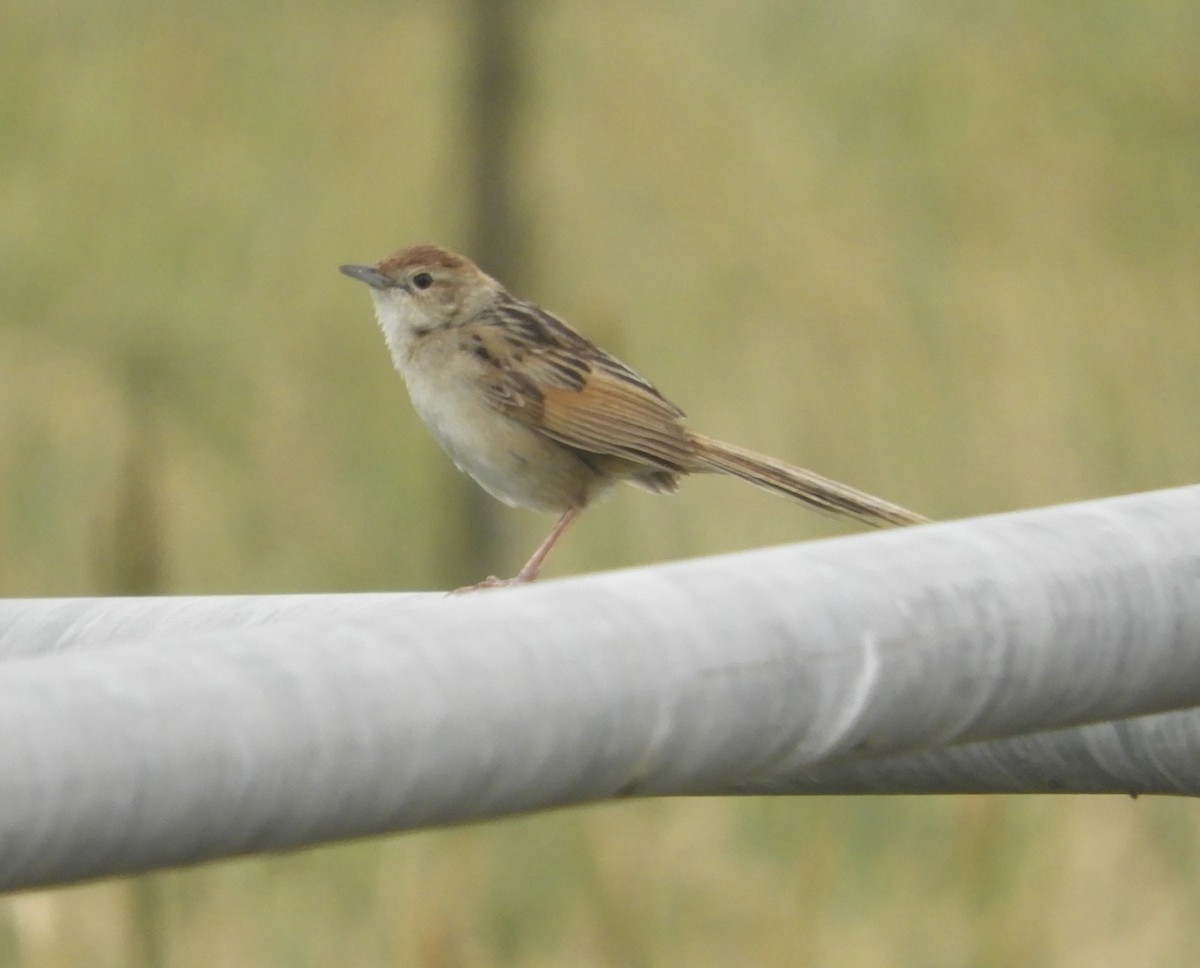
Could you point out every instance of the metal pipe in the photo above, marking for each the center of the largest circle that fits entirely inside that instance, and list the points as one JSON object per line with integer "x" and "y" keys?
{"x": 353, "y": 717}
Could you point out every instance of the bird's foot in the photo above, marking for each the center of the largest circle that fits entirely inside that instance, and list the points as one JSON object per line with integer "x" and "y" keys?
{"x": 492, "y": 582}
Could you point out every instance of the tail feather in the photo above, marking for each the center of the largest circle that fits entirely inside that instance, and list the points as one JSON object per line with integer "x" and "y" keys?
{"x": 814, "y": 490}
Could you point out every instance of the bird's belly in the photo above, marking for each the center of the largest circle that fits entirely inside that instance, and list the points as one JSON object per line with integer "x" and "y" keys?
{"x": 507, "y": 459}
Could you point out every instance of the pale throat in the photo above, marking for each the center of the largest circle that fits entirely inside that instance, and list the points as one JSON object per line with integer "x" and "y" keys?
{"x": 398, "y": 327}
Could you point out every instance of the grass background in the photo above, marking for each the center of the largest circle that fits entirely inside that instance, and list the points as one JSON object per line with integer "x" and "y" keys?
{"x": 947, "y": 252}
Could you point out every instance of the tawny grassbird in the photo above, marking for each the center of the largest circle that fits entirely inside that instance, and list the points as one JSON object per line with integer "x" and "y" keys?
{"x": 539, "y": 416}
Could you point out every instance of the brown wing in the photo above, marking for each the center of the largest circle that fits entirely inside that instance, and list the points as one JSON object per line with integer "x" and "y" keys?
{"x": 550, "y": 378}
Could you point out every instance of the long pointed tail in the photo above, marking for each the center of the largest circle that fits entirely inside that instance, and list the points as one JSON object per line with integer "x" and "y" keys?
{"x": 796, "y": 482}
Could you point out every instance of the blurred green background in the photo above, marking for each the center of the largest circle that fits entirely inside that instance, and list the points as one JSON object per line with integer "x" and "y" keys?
{"x": 947, "y": 252}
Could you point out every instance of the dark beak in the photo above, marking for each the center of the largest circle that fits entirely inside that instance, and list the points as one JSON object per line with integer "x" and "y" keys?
{"x": 368, "y": 274}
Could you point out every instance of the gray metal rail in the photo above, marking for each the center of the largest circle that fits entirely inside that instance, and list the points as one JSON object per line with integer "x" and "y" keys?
{"x": 145, "y": 733}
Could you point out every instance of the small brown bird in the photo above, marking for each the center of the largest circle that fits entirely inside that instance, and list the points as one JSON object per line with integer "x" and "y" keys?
{"x": 539, "y": 416}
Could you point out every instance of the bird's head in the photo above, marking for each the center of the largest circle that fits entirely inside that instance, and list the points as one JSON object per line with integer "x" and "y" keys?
{"x": 423, "y": 288}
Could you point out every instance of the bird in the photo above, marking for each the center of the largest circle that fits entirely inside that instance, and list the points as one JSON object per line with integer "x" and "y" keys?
{"x": 540, "y": 416}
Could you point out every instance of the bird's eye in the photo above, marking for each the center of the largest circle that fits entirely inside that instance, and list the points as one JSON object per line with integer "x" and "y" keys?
{"x": 422, "y": 280}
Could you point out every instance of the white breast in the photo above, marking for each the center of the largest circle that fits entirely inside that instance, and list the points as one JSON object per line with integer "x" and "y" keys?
{"x": 510, "y": 461}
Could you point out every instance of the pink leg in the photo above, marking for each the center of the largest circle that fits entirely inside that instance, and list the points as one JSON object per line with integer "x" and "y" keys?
{"x": 534, "y": 565}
